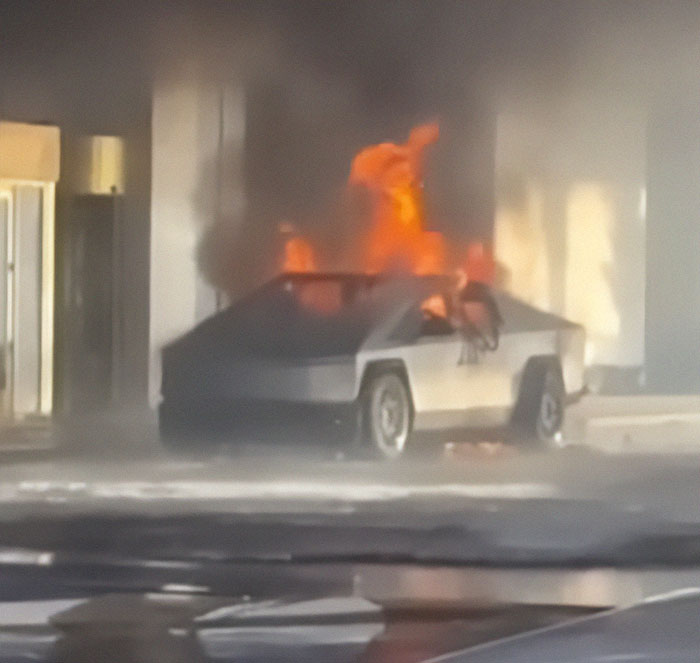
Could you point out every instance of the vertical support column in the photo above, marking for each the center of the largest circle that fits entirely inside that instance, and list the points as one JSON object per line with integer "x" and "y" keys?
{"x": 197, "y": 140}
{"x": 673, "y": 241}
{"x": 461, "y": 195}
{"x": 47, "y": 297}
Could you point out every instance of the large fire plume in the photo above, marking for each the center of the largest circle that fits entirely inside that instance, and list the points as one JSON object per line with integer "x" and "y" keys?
{"x": 393, "y": 175}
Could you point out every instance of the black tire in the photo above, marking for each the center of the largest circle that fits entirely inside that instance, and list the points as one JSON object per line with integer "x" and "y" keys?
{"x": 539, "y": 416}
{"x": 387, "y": 415}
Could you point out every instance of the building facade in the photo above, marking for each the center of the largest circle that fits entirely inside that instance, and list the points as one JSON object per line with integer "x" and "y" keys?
{"x": 134, "y": 174}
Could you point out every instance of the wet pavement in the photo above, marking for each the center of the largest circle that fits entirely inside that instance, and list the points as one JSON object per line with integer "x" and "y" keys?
{"x": 554, "y": 503}
{"x": 487, "y": 505}
{"x": 666, "y": 485}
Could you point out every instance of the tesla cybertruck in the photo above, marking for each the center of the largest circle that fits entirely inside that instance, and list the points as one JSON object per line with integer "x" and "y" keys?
{"x": 378, "y": 363}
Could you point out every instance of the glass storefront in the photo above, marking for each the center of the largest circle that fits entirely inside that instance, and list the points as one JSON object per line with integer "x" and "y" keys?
{"x": 26, "y": 295}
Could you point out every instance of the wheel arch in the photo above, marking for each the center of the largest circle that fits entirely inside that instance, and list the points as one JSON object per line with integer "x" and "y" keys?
{"x": 377, "y": 367}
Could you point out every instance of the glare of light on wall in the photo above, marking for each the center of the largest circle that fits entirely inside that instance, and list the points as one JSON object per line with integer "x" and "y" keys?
{"x": 590, "y": 220}
{"x": 520, "y": 245}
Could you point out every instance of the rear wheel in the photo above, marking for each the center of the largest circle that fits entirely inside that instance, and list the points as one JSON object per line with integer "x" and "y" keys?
{"x": 550, "y": 417}
{"x": 539, "y": 417}
{"x": 388, "y": 418}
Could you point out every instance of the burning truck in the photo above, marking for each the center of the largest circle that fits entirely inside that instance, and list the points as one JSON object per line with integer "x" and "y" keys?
{"x": 382, "y": 357}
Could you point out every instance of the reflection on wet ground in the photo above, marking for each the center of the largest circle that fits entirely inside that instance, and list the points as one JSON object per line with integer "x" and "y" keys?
{"x": 177, "y": 525}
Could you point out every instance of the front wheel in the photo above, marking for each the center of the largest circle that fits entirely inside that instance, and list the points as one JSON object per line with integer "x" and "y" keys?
{"x": 388, "y": 418}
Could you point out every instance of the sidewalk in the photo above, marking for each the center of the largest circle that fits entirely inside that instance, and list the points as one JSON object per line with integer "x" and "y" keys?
{"x": 636, "y": 424}
{"x": 27, "y": 436}
{"x": 100, "y": 435}
{"x": 110, "y": 434}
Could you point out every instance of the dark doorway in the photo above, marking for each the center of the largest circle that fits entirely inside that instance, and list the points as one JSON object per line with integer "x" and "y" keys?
{"x": 90, "y": 305}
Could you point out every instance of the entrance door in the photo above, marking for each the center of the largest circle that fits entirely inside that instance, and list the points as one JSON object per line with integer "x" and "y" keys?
{"x": 90, "y": 325}
{"x": 22, "y": 366}
{"x": 26, "y": 271}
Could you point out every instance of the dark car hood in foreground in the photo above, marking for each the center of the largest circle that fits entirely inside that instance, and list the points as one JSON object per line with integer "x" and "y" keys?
{"x": 663, "y": 629}
{"x": 186, "y": 627}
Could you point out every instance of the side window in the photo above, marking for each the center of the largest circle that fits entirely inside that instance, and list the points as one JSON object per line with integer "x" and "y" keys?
{"x": 477, "y": 314}
{"x": 480, "y": 318}
{"x": 435, "y": 317}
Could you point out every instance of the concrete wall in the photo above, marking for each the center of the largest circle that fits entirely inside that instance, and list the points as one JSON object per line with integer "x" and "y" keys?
{"x": 570, "y": 220}
{"x": 673, "y": 241}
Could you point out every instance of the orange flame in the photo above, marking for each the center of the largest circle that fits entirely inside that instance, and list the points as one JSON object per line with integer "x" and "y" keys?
{"x": 431, "y": 254}
{"x": 481, "y": 265}
{"x": 393, "y": 174}
{"x": 435, "y": 305}
{"x": 298, "y": 256}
